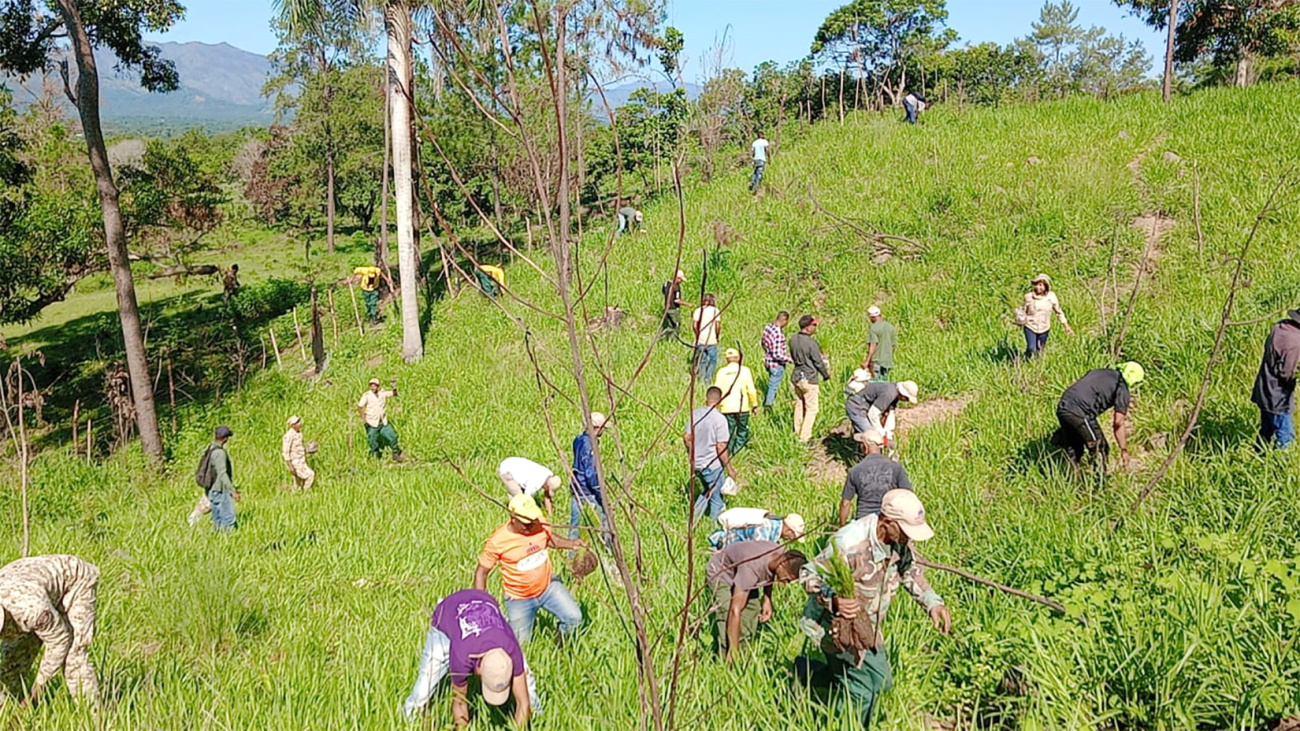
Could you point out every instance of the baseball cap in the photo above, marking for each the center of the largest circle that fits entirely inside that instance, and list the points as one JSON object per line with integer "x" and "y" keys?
{"x": 496, "y": 670}
{"x": 374, "y": 381}
{"x": 904, "y": 508}
{"x": 598, "y": 419}
{"x": 223, "y": 432}
{"x": 524, "y": 506}
{"x": 872, "y": 436}
{"x": 796, "y": 523}
{"x": 1132, "y": 373}
{"x": 293, "y": 420}
{"x": 873, "y": 311}
{"x": 909, "y": 390}
{"x": 680, "y": 274}
{"x": 731, "y": 353}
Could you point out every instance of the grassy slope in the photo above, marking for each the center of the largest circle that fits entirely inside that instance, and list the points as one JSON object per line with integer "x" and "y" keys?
{"x": 312, "y": 615}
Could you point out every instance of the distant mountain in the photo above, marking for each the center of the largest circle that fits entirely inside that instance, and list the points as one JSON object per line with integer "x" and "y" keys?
{"x": 221, "y": 88}
{"x": 619, "y": 95}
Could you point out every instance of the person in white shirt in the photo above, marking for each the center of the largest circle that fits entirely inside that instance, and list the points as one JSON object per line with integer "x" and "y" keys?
{"x": 760, "y": 162}
{"x": 707, "y": 323}
{"x": 526, "y": 477}
{"x": 913, "y": 104}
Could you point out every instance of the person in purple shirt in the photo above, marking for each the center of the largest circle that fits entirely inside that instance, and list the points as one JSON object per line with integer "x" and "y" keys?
{"x": 468, "y": 635}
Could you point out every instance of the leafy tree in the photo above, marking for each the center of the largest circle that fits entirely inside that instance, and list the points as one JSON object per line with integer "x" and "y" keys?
{"x": 1074, "y": 59}
{"x": 170, "y": 203}
{"x": 881, "y": 37}
{"x": 30, "y": 37}
{"x": 1231, "y": 35}
{"x": 987, "y": 73}
{"x": 50, "y": 235}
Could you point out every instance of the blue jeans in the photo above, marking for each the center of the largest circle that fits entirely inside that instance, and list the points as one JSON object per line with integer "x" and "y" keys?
{"x": 223, "y": 509}
{"x": 859, "y": 421}
{"x": 556, "y": 599}
{"x": 435, "y": 661}
{"x": 711, "y": 494}
{"x": 575, "y": 513}
{"x": 1276, "y": 429}
{"x": 774, "y": 376}
{"x": 706, "y": 362}
{"x": 1035, "y": 342}
{"x": 911, "y": 111}
{"x": 757, "y": 178}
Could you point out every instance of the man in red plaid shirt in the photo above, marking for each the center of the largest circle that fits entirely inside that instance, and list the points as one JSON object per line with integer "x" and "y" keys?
{"x": 775, "y": 355}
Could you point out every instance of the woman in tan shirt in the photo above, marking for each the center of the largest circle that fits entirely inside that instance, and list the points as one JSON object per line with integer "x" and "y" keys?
{"x": 1036, "y": 315}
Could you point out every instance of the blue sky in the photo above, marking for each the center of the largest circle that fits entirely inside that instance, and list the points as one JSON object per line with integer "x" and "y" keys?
{"x": 757, "y": 30}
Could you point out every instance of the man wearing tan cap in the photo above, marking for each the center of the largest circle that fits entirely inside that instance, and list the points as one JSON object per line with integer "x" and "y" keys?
{"x": 871, "y": 478}
{"x": 871, "y": 407}
{"x": 521, "y": 548}
{"x": 294, "y": 453}
{"x": 469, "y": 636}
{"x": 878, "y": 548}
{"x": 373, "y": 410}
{"x": 881, "y": 340}
{"x": 739, "y": 398}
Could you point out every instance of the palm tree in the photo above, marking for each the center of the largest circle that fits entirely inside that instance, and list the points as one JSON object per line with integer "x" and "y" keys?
{"x": 397, "y": 25}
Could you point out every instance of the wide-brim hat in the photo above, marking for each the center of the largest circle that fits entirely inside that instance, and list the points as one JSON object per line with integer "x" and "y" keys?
{"x": 1041, "y": 278}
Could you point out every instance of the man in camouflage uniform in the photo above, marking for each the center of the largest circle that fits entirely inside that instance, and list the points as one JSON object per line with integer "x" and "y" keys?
{"x": 295, "y": 455}
{"x": 877, "y": 548}
{"x": 50, "y": 601}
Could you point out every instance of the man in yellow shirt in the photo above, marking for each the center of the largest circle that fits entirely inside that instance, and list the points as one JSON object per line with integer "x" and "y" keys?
{"x": 368, "y": 278}
{"x": 739, "y": 398}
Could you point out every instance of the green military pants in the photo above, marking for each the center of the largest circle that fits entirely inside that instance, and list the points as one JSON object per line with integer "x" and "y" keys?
{"x": 371, "y": 296}
{"x": 381, "y": 436}
{"x": 748, "y": 616}
{"x": 738, "y": 425}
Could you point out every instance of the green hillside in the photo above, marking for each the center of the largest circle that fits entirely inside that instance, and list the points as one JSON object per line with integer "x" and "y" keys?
{"x": 312, "y": 615}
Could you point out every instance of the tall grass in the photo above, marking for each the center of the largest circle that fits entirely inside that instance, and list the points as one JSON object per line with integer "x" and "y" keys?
{"x": 312, "y": 614}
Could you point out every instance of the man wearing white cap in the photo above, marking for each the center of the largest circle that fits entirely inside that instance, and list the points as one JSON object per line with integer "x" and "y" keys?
{"x": 739, "y": 398}
{"x": 881, "y": 339}
{"x": 585, "y": 488}
{"x": 295, "y": 455}
{"x": 525, "y": 477}
{"x": 878, "y": 550}
{"x": 871, "y": 407}
{"x": 468, "y": 635}
{"x": 373, "y": 410}
{"x": 673, "y": 304}
{"x": 757, "y": 524}
{"x": 871, "y": 479}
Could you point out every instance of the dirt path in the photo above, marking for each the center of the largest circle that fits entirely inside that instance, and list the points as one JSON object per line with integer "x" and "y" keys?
{"x": 830, "y": 457}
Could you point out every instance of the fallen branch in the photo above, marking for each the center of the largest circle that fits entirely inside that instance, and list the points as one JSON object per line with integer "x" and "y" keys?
{"x": 1052, "y": 603}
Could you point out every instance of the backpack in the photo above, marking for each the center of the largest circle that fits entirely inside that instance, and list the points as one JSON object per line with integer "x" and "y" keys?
{"x": 206, "y": 475}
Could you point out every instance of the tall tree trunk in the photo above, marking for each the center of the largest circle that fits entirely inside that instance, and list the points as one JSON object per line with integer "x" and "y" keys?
{"x": 384, "y": 257}
{"x": 328, "y": 91}
{"x": 842, "y": 71}
{"x": 397, "y": 18}
{"x": 128, "y": 310}
{"x": 1167, "y": 89}
{"x": 1241, "y": 77}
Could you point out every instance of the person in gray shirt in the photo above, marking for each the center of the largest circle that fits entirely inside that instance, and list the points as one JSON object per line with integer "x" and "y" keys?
{"x": 706, "y": 440}
{"x": 810, "y": 368}
{"x": 871, "y": 478}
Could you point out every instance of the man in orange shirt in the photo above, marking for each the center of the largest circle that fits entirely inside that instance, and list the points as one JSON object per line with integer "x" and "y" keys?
{"x": 527, "y": 577}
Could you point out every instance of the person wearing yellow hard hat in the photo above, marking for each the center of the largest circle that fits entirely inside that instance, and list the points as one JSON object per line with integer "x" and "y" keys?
{"x": 1087, "y": 399}
{"x": 739, "y": 398}
{"x": 522, "y": 548}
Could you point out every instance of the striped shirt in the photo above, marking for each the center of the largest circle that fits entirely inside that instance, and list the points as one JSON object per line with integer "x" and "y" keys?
{"x": 775, "y": 351}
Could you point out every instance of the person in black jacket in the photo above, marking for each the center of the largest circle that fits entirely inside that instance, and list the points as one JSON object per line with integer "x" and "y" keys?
{"x": 1088, "y": 398}
{"x": 1274, "y": 391}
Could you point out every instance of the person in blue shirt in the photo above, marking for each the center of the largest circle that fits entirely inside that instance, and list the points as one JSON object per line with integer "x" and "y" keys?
{"x": 585, "y": 486}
